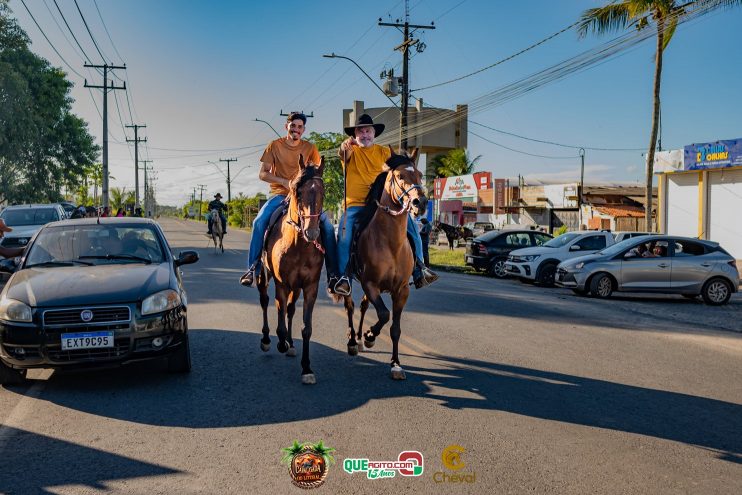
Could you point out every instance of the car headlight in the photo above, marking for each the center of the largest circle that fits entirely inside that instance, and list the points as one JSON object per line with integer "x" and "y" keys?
{"x": 580, "y": 265}
{"x": 530, "y": 257}
{"x": 161, "y": 301}
{"x": 12, "y": 310}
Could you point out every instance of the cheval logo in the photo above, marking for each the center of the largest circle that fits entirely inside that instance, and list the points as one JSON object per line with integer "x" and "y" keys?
{"x": 308, "y": 463}
{"x": 86, "y": 315}
{"x": 451, "y": 458}
{"x": 408, "y": 463}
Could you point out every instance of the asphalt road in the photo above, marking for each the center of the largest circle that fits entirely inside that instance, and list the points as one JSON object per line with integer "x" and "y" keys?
{"x": 546, "y": 392}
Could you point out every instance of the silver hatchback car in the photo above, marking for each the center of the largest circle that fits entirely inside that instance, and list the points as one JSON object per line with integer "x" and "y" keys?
{"x": 654, "y": 263}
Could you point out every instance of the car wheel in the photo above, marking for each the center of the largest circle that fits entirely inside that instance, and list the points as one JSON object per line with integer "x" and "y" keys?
{"x": 601, "y": 286}
{"x": 180, "y": 360}
{"x": 10, "y": 376}
{"x": 716, "y": 292}
{"x": 545, "y": 274}
{"x": 497, "y": 268}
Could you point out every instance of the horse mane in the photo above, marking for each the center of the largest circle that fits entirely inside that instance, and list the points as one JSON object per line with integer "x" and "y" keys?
{"x": 305, "y": 174}
{"x": 369, "y": 210}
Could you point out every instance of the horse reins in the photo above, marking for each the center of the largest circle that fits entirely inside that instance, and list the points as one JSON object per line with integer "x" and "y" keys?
{"x": 405, "y": 192}
{"x": 298, "y": 226}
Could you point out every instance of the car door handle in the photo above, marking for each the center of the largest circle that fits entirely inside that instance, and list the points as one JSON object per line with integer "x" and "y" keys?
{"x": 663, "y": 265}
{"x": 705, "y": 265}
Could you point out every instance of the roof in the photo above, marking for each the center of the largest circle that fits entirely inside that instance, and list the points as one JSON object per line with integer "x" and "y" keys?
{"x": 105, "y": 221}
{"x": 620, "y": 211}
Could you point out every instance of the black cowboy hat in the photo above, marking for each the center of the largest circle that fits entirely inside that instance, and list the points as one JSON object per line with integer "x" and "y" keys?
{"x": 365, "y": 120}
{"x": 218, "y": 195}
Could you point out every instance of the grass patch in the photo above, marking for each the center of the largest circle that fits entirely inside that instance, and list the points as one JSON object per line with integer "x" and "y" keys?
{"x": 447, "y": 260}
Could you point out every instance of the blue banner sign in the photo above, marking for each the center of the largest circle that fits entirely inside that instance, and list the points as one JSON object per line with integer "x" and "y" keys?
{"x": 720, "y": 154}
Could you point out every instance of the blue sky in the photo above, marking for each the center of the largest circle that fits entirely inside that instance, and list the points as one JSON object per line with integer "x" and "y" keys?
{"x": 201, "y": 72}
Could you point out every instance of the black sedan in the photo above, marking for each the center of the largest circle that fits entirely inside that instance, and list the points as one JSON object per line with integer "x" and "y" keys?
{"x": 94, "y": 293}
{"x": 489, "y": 251}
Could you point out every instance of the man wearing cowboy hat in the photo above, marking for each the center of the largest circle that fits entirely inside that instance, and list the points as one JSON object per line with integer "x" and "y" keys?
{"x": 216, "y": 204}
{"x": 8, "y": 252}
{"x": 279, "y": 165}
{"x": 363, "y": 162}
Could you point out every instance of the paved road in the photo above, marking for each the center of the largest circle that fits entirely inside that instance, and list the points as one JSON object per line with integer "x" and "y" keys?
{"x": 547, "y": 392}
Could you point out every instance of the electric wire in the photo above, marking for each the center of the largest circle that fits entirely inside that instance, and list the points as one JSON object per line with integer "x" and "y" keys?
{"x": 95, "y": 43}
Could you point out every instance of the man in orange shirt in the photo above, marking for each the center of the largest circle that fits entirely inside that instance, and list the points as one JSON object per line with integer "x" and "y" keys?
{"x": 364, "y": 163}
{"x": 280, "y": 164}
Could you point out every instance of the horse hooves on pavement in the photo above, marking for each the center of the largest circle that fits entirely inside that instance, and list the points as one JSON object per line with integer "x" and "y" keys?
{"x": 264, "y": 347}
{"x": 369, "y": 343}
{"x": 282, "y": 347}
{"x": 353, "y": 350}
{"x": 291, "y": 352}
{"x": 308, "y": 379}
{"x": 398, "y": 373}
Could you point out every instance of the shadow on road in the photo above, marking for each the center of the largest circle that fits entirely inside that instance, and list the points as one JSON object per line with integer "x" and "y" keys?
{"x": 235, "y": 384}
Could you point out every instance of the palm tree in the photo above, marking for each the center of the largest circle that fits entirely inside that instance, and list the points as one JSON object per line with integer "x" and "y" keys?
{"x": 455, "y": 162}
{"x": 290, "y": 452}
{"x": 326, "y": 452}
{"x": 118, "y": 196}
{"x": 624, "y": 14}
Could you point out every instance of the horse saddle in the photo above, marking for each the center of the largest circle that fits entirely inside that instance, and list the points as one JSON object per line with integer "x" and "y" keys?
{"x": 275, "y": 218}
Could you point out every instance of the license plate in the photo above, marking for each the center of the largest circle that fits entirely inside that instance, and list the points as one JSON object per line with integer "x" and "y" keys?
{"x": 86, "y": 340}
{"x": 469, "y": 259}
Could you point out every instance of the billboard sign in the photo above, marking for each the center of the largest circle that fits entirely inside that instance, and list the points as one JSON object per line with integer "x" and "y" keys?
{"x": 462, "y": 187}
{"x": 719, "y": 154}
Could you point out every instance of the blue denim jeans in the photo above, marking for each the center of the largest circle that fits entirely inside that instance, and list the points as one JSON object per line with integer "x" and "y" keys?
{"x": 345, "y": 237}
{"x": 260, "y": 224}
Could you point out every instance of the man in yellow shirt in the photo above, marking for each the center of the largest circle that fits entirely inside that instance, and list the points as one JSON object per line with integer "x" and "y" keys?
{"x": 364, "y": 163}
{"x": 279, "y": 164}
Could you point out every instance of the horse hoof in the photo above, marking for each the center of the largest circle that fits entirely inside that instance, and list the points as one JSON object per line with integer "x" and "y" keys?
{"x": 282, "y": 347}
{"x": 291, "y": 352}
{"x": 264, "y": 347}
{"x": 398, "y": 373}
{"x": 308, "y": 379}
{"x": 353, "y": 350}
{"x": 369, "y": 343}
{"x": 361, "y": 347}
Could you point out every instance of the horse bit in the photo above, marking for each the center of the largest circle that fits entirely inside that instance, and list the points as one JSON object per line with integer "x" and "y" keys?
{"x": 405, "y": 192}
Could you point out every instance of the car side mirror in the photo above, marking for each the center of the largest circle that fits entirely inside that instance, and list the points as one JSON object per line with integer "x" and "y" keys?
{"x": 574, "y": 247}
{"x": 8, "y": 265}
{"x": 186, "y": 258}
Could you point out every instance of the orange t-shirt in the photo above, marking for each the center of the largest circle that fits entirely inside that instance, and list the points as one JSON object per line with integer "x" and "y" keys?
{"x": 284, "y": 160}
{"x": 364, "y": 165}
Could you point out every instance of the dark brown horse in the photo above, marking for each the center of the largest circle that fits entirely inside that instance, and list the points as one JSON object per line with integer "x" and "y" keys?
{"x": 293, "y": 258}
{"x": 384, "y": 258}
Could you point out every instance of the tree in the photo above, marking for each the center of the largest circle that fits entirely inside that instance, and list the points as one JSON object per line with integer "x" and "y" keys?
{"x": 329, "y": 142}
{"x": 455, "y": 162}
{"x": 640, "y": 14}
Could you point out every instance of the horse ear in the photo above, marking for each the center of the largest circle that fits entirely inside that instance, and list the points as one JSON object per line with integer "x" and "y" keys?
{"x": 302, "y": 165}
{"x": 414, "y": 155}
{"x": 321, "y": 167}
{"x": 392, "y": 150}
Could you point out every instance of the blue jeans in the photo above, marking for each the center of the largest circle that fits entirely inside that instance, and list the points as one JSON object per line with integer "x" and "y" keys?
{"x": 260, "y": 224}
{"x": 221, "y": 217}
{"x": 345, "y": 238}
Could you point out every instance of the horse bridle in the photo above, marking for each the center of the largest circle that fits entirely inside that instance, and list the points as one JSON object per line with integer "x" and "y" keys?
{"x": 300, "y": 226}
{"x": 405, "y": 192}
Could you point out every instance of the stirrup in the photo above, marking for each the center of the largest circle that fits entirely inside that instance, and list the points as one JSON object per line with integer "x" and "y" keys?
{"x": 248, "y": 278}
{"x": 341, "y": 291}
{"x": 425, "y": 276}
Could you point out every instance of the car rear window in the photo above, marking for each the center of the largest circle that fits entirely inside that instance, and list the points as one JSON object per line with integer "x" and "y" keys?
{"x": 29, "y": 216}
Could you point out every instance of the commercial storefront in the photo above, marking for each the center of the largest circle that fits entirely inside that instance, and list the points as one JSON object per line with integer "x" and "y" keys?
{"x": 464, "y": 198}
{"x": 700, "y": 192}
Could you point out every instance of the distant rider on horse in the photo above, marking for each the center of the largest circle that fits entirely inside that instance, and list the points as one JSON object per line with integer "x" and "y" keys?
{"x": 216, "y": 204}
{"x": 364, "y": 163}
{"x": 280, "y": 164}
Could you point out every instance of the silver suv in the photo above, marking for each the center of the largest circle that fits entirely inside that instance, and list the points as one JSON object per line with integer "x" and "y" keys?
{"x": 654, "y": 263}
{"x": 27, "y": 220}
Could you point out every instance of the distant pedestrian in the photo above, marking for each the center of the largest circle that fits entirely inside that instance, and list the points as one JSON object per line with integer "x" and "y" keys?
{"x": 425, "y": 230}
{"x": 120, "y": 213}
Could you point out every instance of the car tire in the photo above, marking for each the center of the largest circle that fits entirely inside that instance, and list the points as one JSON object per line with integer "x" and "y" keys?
{"x": 545, "y": 274}
{"x": 716, "y": 292}
{"x": 10, "y": 376}
{"x": 497, "y": 268}
{"x": 601, "y": 286}
{"x": 180, "y": 360}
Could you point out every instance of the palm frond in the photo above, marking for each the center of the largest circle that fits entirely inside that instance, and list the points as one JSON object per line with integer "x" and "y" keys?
{"x": 325, "y": 452}
{"x": 290, "y": 452}
{"x": 611, "y": 17}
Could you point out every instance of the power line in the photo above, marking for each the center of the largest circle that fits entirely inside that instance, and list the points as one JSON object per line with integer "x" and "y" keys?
{"x": 87, "y": 59}
{"x": 90, "y": 32}
{"x": 106, "y": 29}
{"x": 523, "y": 152}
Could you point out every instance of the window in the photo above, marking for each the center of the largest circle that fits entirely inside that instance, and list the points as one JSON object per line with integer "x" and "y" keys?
{"x": 541, "y": 239}
{"x": 688, "y": 248}
{"x": 517, "y": 240}
{"x": 592, "y": 243}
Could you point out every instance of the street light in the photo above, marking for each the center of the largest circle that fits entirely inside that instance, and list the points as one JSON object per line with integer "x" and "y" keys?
{"x": 332, "y": 55}
{"x": 268, "y": 124}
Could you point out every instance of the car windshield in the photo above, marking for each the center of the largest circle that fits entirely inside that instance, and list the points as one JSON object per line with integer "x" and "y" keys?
{"x": 29, "y": 216}
{"x": 619, "y": 246}
{"x": 96, "y": 244}
{"x": 562, "y": 240}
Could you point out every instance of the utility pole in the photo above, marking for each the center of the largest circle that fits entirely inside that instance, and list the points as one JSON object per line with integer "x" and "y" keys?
{"x": 407, "y": 43}
{"x": 582, "y": 181}
{"x": 146, "y": 187}
{"x": 107, "y": 85}
{"x": 201, "y": 201}
{"x": 136, "y": 142}
{"x": 229, "y": 180}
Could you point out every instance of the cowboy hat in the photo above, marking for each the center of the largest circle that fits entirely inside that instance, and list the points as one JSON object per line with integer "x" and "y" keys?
{"x": 4, "y": 227}
{"x": 365, "y": 120}
{"x": 218, "y": 195}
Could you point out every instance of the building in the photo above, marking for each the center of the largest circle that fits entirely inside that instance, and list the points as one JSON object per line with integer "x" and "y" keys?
{"x": 464, "y": 198}
{"x": 700, "y": 192}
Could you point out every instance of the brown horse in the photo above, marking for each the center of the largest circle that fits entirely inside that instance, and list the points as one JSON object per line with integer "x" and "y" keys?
{"x": 293, "y": 258}
{"x": 384, "y": 260}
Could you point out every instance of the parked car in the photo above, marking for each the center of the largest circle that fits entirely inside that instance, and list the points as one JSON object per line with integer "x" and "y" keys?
{"x": 26, "y": 220}
{"x": 88, "y": 294}
{"x": 679, "y": 265}
{"x": 622, "y": 236}
{"x": 489, "y": 251}
{"x": 68, "y": 208}
{"x": 479, "y": 228}
{"x": 540, "y": 263}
